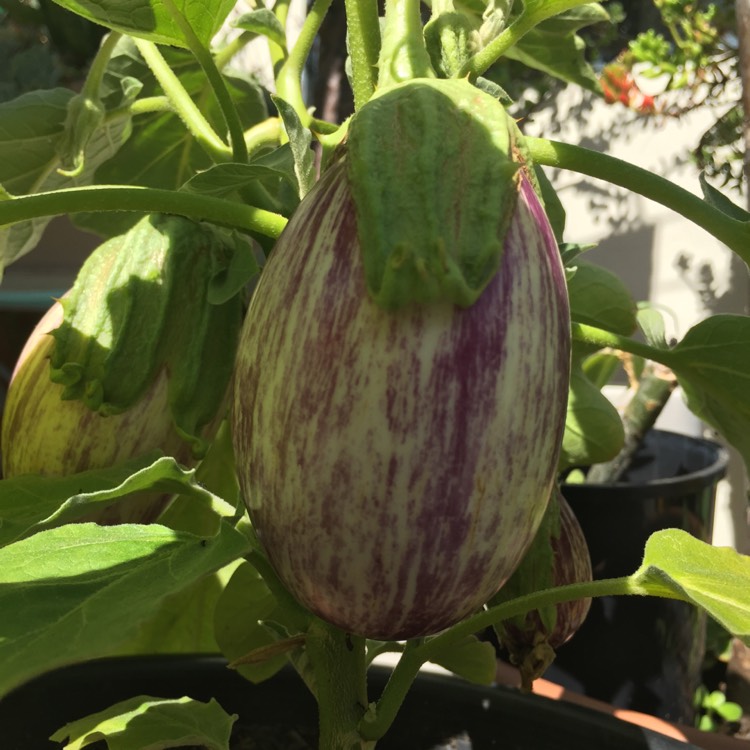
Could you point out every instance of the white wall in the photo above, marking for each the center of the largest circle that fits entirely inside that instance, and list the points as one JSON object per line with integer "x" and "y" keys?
{"x": 660, "y": 255}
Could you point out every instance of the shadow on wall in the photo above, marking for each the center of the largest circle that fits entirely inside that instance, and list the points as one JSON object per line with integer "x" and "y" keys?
{"x": 701, "y": 278}
{"x": 630, "y": 256}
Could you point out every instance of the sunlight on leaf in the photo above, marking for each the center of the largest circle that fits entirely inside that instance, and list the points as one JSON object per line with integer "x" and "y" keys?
{"x": 677, "y": 565}
{"x": 712, "y": 364}
{"x": 89, "y": 586}
{"x": 240, "y": 613}
{"x": 31, "y": 127}
{"x": 31, "y": 503}
{"x": 146, "y": 723}
{"x": 472, "y": 659}
{"x": 151, "y": 20}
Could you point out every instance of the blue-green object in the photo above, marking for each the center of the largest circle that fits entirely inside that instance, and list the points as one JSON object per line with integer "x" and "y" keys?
{"x": 31, "y": 299}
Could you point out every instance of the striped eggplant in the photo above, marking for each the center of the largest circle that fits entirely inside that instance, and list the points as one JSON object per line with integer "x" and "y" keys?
{"x": 558, "y": 556}
{"x": 137, "y": 357}
{"x": 43, "y": 434}
{"x": 397, "y": 460}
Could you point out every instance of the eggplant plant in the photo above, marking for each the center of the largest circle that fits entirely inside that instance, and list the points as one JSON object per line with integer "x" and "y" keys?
{"x": 356, "y": 378}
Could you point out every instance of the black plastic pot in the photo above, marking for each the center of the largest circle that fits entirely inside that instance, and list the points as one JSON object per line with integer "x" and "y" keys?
{"x": 644, "y": 654}
{"x": 439, "y": 713}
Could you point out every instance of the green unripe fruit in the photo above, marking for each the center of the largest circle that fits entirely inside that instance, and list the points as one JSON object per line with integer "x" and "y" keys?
{"x": 43, "y": 434}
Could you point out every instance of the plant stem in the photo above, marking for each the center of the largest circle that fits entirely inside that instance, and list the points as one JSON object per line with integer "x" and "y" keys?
{"x": 289, "y": 78}
{"x": 732, "y": 232}
{"x": 266, "y": 133}
{"x": 602, "y": 339}
{"x": 403, "y": 55}
{"x": 206, "y": 61}
{"x": 278, "y": 53}
{"x": 99, "y": 65}
{"x": 653, "y": 392}
{"x": 376, "y": 724}
{"x": 509, "y": 37}
{"x": 149, "y": 104}
{"x": 148, "y": 200}
{"x": 363, "y": 27}
{"x": 230, "y": 49}
{"x": 338, "y": 662}
{"x": 300, "y": 617}
{"x": 182, "y": 104}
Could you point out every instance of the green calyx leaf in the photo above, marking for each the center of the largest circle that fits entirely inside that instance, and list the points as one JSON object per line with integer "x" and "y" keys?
{"x": 434, "y": 184}
{"x": 448, "y": 37}
{"x": 85, "y": 117}
{"x": 143, "y": 302}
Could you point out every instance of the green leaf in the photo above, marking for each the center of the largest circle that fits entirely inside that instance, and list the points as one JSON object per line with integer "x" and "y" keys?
{"x": 729, "y": 711}
{"x": 147, "y": 723}
{"x": 300, "y": 139}
{"x": 714, "y": 699}
{"x": 161, "y": 152}
{"x": 718, "y": 200}
{"x": 88, "y": 587}
{"x": 706, "y": 724}
{"x": 31, "y": 503}
{"x": 151, "y": 19}
{"x": 553, "y": 47}
{"x": 712, "y": 364}
{"x": 245, "y": 604}
{"x": 31, "y": 129}
{"x": 599, "y": 298}
{"x": 545, "y": 9}
{"x": 553, "y": 206}
{"x": 574, "y": 19}
{"x": 229, "y": 281}
{"x": 600, "y": 367}
{"x": 264, "y": 23}
{"x": 676, "y": 565}
{"x": 651, "y": 323}
{"x": 472, "y": 659}
{"x": 224, "y": 179}
{"x": 561, "y": 57}
{"x": 593, "y": 428}
{"x": 216, "y": 471}
{"x": 183, "y": 622}
{"x": 569, "y": 251}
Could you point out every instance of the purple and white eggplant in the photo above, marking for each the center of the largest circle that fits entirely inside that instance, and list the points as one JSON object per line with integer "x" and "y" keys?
{"x": 558, "y": 556}
{"x": 396, "y": 463}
